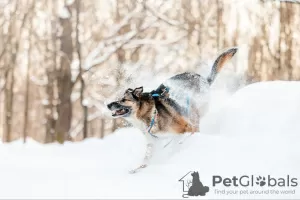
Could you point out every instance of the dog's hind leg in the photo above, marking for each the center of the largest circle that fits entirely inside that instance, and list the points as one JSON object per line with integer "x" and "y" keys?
{"x": 185, "y": 138}
{"x": 168, "y": 143}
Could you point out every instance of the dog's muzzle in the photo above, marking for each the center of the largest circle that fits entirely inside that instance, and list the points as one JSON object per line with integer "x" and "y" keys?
{"x": 119, "y": 110}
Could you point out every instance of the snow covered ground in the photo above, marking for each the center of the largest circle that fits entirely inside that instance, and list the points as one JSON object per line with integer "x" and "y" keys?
{"x": 255, "y": 131}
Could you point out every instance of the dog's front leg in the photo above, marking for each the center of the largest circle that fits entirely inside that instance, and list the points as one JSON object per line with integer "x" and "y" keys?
{"x": 148, "y": 154}
{"x": 147, "y": 157}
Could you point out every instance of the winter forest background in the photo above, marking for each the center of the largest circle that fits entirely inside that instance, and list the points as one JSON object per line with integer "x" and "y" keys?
{"x": 60, "y": 60}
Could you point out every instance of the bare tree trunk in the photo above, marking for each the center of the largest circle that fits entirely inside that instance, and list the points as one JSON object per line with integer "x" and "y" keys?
{"x": 278, "y": 60}
{"x": 114, "y": 125}
{"x": 286, "y": 38}
{"x": 200, "y": 22}
{"x": 27, "y": 88}
{"x": 64, "y": 81}
{"x": 188, "y": 18}
{"x": 51, "y": 72}
{"x": 102, "y": 131}
{"x": 85, "y": 119}
{"x": 8, "y": 106}
{"x": 10, "y": 77}
{"x": 219, "y": 23}
{"x": 78, "y": 47}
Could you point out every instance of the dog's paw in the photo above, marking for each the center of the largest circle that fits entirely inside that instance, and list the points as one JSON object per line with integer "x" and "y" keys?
{"x": 137, "y": 169}
{"x": 132, "y": 171}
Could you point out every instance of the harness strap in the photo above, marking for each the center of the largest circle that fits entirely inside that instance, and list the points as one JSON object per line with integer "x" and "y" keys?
{"x": 160, "y": 92}
{"x": 157, "y": 93}
{"x": 152, "y": 122}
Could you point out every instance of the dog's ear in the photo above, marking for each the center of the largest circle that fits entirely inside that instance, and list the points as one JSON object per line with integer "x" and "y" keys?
{"x": 138, "y": 91}
{"x": 129, "y": 90}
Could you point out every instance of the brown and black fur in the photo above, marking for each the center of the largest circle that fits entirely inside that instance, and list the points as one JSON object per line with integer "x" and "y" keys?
{"x": 138, "y": 107}
{"x": 171, "y": 116}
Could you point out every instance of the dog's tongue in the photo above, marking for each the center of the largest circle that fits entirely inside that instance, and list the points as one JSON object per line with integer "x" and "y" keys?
{"x": 118, "y": 112}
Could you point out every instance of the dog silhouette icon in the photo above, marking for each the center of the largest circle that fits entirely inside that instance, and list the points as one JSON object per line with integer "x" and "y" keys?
{"x": 197, "y": 188}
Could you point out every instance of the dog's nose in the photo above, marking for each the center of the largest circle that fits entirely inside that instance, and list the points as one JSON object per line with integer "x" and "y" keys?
{"x": 109, "y": 105}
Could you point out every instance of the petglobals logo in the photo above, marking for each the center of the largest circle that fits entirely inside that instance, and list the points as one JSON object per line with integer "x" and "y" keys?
{"x": 252, "y": 180}
{"x": 192, "y": 185}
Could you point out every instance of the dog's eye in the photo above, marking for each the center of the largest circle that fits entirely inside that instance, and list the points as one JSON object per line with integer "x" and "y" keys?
{"x": 124, "y": 100}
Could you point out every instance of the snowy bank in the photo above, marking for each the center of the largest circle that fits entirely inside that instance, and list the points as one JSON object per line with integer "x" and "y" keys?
{"x": 256, "y": 131}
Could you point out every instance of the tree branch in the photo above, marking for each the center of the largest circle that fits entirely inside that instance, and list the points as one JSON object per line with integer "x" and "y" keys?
{"x": 90, "y": 64}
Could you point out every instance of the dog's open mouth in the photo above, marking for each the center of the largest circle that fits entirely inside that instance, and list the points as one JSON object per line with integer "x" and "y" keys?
{"x": 120, "y": 112}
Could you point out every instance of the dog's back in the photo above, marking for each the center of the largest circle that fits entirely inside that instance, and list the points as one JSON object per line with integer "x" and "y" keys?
{"x": 189, "y": 81}
{"x": 190, "y": 89}
{"x": 193, "y": 82}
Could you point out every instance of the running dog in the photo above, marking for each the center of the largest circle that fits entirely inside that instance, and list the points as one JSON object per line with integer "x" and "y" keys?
{"x": 157, "y": 112}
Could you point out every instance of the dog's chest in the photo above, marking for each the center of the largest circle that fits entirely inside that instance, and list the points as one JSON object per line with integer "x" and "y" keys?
{"x": 143, "y": 126}
{"x": 137, "y": 123}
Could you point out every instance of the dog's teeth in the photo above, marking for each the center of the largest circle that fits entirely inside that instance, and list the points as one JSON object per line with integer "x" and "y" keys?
{"x": 121, "y": 111}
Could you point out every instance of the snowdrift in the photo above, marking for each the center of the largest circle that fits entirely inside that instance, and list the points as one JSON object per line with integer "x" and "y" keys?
{"x": 255, "y": 131}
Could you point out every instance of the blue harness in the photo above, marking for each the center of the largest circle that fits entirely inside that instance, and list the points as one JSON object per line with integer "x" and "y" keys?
{"x": 152, "y": 122}
{"x": 155, "y": 114}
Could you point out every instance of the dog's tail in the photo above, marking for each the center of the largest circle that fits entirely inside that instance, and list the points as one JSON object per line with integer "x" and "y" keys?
{"x": 220, "y": 62}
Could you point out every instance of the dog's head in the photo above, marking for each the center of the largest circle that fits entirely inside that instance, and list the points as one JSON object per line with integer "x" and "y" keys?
{"x": 195, "y": 175}
{"x": 128, "y": 104}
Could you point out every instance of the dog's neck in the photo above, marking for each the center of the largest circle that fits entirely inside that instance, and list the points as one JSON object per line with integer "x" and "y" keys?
{"x": 142, "y": 118}
{"x": 145, "y": 111}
